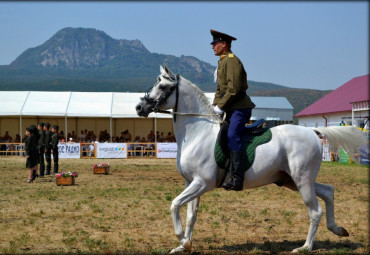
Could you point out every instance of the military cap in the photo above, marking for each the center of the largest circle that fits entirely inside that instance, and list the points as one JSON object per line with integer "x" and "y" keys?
{"x": 47, "y": 125}
{"x": 218, "y": 36}
{"x": 56, "y": 127}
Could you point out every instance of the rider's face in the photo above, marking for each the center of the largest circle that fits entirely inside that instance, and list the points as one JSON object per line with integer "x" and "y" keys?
{"x": 219, "y": 48}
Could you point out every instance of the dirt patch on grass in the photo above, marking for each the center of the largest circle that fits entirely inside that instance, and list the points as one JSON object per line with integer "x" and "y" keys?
{"x": 128, "y": 211}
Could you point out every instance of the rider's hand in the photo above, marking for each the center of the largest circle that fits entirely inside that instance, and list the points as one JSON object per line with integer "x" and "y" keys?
{"x": 217, "y": 110}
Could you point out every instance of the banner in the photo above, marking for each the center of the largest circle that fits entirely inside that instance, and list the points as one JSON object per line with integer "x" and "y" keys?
{"x": 343, "y": 157}
{"x": 69, "y": 150}
{"x": 326, "y": 152}
{"x": 166, "y": 150}
{"x": 111, "y": 150}
{"x": 365, "y": 155}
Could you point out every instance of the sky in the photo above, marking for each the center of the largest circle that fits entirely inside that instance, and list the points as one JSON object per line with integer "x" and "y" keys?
{"x": 314, "y": 45}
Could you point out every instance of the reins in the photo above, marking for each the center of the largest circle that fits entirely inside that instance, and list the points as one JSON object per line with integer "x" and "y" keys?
{"x": 175, "y": 112}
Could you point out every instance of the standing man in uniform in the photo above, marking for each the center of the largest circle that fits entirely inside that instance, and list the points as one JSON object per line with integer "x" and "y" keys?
{"x": 231, "y": 98}
{"x": 47, "y": 148}
{"x": 54, "y": 146}
{"x": 41, "y": 148}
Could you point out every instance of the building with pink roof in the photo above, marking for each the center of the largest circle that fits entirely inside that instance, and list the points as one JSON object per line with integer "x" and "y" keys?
{"x": 348, "y": 104}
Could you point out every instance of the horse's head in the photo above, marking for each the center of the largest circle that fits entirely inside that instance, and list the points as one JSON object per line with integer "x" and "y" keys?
{"x": 161, "y": 96}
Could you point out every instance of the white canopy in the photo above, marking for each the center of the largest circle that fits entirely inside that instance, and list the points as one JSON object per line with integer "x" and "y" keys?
{"x": 111, "y": 105}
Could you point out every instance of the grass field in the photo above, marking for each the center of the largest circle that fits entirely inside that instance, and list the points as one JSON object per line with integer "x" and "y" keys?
{"x": 127, "y": 212}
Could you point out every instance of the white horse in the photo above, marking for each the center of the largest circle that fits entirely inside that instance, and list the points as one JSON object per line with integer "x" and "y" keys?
{"x": 292, "y": 157}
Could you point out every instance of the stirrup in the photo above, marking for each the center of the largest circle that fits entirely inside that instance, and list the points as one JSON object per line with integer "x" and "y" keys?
{"x": 229, "y": 184}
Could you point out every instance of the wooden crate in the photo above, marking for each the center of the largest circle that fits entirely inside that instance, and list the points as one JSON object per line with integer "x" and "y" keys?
{"x": 100, "y": 170}
{"x": 65, "y": 181}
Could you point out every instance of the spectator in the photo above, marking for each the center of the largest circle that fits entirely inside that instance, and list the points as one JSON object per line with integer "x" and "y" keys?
{"x": 61, "y": 135}
{"x": 151, "y": 136}
{"x": 162, "y": 137}
{"x": 82, "y": 136}
{"x": 17, "y": 138}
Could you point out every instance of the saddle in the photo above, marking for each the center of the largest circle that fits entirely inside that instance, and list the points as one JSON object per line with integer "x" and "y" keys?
{"x": 254, "y": 135}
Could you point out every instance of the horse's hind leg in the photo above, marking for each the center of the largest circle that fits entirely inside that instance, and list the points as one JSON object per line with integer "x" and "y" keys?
{"x": 326, "y": 192}
{"x": 315, "y": 212}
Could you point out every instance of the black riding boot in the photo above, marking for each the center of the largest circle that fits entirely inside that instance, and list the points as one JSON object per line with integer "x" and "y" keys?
{"x": 236, "y": 180}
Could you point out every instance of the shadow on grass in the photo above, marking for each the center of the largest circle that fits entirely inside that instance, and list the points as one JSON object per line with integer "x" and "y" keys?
{"x": 287, "y": 246}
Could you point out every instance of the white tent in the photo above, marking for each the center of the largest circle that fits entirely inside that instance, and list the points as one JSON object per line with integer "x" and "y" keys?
{"x": 112, "y": 105}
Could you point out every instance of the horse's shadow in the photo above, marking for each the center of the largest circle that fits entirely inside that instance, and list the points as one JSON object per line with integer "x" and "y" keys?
{"x": 286, "y": 247}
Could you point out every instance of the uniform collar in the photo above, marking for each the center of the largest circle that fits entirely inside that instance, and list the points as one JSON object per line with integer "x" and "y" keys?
{"x": 223, "y": 56}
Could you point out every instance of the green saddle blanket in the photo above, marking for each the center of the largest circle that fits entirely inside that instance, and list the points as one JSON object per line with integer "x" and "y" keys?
{"x": 249, "y": 150}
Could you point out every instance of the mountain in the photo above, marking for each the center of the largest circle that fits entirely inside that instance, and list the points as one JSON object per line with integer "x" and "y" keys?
{"x": 86, "y": 59}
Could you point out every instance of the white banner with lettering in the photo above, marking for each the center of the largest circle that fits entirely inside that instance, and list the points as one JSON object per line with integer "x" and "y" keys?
{"x": 69, "y": 150}
{"x": 111, "y": 150}
{"x": 166, "y": 150}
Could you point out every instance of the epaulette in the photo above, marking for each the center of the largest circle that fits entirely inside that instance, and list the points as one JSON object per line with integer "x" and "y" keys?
{"x": 222, "y": 56}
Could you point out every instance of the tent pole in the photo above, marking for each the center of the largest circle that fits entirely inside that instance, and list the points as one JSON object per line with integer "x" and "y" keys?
{"x": 155, "y": 127}
{"x": 20, "y": 127}
{"x": 110, "y": 129}
{"x": 66, "y": 129}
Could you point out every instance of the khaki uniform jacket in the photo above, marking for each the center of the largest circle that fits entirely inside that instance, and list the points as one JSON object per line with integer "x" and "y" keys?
{"x": 41, "y": 143}
{"x": 47, "y": 140}
{"x": 54, "y": 141}
{"x": 232, "y": 84}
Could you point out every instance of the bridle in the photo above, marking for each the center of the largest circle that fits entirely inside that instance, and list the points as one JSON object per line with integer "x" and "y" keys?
{"x": 163, "y": 99}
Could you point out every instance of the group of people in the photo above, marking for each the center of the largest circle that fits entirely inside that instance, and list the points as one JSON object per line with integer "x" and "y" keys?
{"x": 39, "y": 142}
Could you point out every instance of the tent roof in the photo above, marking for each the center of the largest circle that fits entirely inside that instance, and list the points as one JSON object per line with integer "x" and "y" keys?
{"x": 340, "y": 99}
{"x": 94, "y": 104}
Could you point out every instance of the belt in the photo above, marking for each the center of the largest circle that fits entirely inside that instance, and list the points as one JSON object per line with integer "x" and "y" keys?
{"x": 238, "y": 96}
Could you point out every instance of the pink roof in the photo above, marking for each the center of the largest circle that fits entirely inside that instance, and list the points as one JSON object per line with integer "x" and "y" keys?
{"x": 340, "y": 99}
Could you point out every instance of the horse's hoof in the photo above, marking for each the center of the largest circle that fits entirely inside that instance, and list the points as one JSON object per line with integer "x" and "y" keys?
{"x": 303, "y": 249}
{"x": 187, "y": 246}
{"x": 339, "y": 231}
{"x": 343, "y": 232}
{"x": 177, "y": 249}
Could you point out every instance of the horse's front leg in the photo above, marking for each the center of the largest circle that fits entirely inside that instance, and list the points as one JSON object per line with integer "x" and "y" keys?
{"x": 191, "y": 196}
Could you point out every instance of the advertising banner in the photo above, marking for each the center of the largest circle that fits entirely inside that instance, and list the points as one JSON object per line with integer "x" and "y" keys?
{"x": 343, "y": 157}
{"x": 69, "y": 150}
{"x": 326, "y": 152}
{"x": 111, "y": 150}
{"x": 166, "y": 150}
{"x": 365, "y": 155}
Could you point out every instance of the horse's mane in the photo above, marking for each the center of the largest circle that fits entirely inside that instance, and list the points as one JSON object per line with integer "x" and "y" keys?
{"x": 203, "y": 100}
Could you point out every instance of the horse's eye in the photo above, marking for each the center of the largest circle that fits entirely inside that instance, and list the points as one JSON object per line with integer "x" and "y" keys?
{"x": 162, "y": 87}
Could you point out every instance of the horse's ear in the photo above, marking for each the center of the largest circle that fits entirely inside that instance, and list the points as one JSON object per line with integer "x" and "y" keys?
{"x": 161, "y": 69}
{"x": 168, "y": 71}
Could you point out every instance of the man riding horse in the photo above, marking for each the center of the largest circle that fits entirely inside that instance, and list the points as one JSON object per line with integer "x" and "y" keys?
{"x": 231, "y": 98}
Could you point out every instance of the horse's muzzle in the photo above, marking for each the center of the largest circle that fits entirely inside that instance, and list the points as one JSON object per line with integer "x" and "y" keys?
{"x": 143, "y": 109}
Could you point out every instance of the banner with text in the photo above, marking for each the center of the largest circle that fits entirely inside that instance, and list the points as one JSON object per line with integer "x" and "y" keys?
{"x": 166, "y": 150}
{"x": 69, "y": 150}
{"x": 111, "y": 150}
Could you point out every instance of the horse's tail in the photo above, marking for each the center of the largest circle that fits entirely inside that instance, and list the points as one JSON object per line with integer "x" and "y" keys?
{"x": 348, "y": 137}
